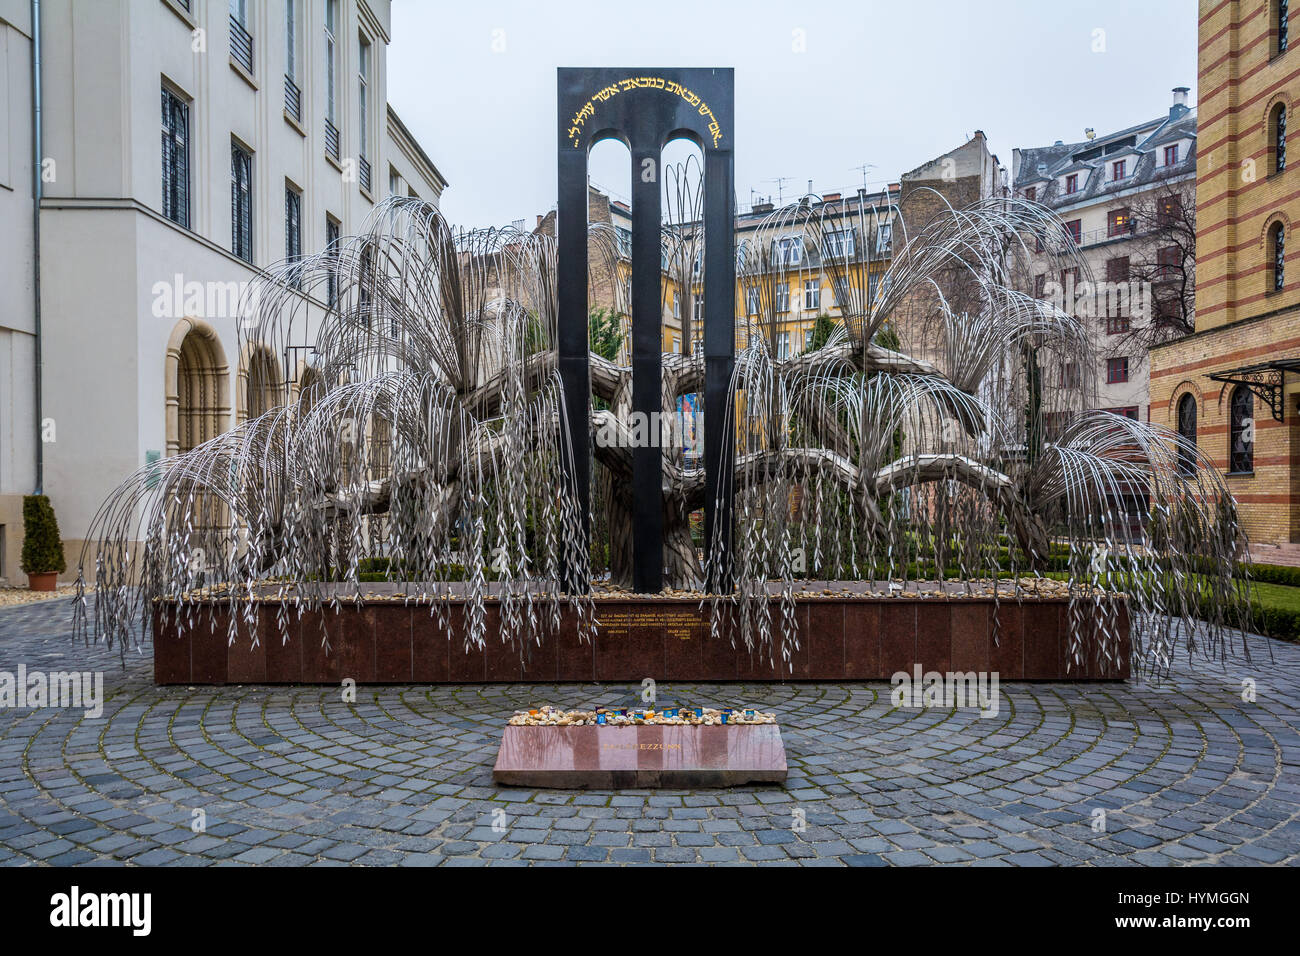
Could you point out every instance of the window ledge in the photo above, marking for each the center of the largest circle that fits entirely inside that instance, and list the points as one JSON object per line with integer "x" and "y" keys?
{"x": 243, "y": 73}
{"x": 1238, "y": 474}
{"x": 288, "y": 118}
{"x": 334, "y": 162}
{"x": 181, "y": 12}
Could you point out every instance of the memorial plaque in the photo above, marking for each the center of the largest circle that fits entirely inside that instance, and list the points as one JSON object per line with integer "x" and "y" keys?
{"x": 650, "y": 755}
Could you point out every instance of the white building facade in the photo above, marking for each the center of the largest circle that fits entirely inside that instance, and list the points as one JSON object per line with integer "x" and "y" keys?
{"x": 1121, "y": 196}
{"x": 185, "y": 147}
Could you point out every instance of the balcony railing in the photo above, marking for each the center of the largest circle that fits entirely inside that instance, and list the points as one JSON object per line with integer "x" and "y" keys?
{"x": 292, "y": 99}
{"x": 241, "y": 45}
{"x": 331, "y": 140}
{"x": 1106, "y": 234}
{"x": 363, "y": 173}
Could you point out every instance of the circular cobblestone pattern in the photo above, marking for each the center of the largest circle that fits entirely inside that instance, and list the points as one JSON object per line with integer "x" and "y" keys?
{"x": 1110, "y": 774}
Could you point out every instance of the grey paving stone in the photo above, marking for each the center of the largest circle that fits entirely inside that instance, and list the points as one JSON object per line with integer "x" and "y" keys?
{"x": 1187, "y": 773}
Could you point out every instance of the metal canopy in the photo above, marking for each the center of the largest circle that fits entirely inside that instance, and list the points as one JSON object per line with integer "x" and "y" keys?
{"x": 1265, "y": 379}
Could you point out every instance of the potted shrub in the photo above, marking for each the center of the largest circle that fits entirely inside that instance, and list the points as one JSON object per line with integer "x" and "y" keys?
{"x": 42, "y": 547}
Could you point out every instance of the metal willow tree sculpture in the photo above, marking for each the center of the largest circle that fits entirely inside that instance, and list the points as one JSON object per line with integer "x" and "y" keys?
{"x": 421, "y": 442}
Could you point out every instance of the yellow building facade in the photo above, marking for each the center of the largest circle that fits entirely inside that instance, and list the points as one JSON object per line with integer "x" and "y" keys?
{"x": 1233, "y": 385}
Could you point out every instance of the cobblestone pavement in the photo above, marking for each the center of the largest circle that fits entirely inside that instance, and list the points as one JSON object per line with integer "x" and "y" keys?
{"x": 1185, "y": 772}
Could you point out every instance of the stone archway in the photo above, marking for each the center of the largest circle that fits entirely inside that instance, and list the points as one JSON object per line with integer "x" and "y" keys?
{"x": 197, "y": 383}
{"x": 260, "y": 385}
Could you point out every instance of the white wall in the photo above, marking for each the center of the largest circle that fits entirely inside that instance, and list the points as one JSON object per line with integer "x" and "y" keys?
{"x": 105, "y": 243}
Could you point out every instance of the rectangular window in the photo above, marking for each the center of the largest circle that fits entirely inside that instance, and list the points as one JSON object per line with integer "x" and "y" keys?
{"x": 1075, "y": 228}
{"x": 677, "y": 306}
{"x": 752, "y": 300}
{"x": 1171, "y": 155}
{"x": 1117, "y": 324}
{"x": 787, "y": 251}
{"x": 331, "y": 80}
{"x": 1128, "y": 411}
{"x": 332, "y": 232}
{"x": 1117, "y": 269}
{"x": 1071, "y": 183}
{"x": 1170, "y": 261}
{"x": 1069, "y": 375}
{"x": 884, "y": 237}
{"x": 175, "y": 159}
{"x": 292, "y": 223}
{"x": 807, "y": 340}
{"x": 241, "y": 202}
{"x": 241, "y": 41}
{"x": 699, "y": 307}
{"x": 838, "y": 244}
{"x": 624, "y": 237}
{"x": 783, "y": 345}
{"x": 783, "y": 297}
{"x": 1119, "y": 169}
{"x": 363, "y": 114}
{"x": 1170, "y": 210}
{"x": 1283, "y": 26}
{"x": 1070, "y": 281}
{"x": 812, "y": 294}
{"x": 1119, "y": 223}
{"x": 1116, "y": 371}
{"x": 292, "y": 93}
{"x": 291, "y": 39}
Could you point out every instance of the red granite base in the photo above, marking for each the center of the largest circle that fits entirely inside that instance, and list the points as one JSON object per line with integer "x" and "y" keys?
{"x": 610, "y": 758}
{"x": 850, "y": 638}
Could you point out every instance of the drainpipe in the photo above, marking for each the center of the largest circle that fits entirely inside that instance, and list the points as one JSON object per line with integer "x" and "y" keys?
{"x": 37, "y": 191}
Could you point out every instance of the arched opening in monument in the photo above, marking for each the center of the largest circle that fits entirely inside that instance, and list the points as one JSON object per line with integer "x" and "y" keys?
{"x": 682, "y": 239}
{"x": 609, "y": 331}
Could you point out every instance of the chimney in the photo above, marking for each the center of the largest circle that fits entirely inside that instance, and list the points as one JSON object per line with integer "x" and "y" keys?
{"x": 830, "y": 197}
{"x": 1180, "y": 107}
{"x": 539, "y": 220}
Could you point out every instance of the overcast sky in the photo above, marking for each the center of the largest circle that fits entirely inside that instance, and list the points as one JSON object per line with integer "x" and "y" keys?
{"x": 891, "y": 84}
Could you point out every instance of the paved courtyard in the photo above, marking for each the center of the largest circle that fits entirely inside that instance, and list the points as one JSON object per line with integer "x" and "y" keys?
{"x": 1182, "y": 772}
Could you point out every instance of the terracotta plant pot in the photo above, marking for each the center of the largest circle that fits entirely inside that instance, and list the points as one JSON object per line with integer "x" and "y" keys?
{"x": 44, "y": 581}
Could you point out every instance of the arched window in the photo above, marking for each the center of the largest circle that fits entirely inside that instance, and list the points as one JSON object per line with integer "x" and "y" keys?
{"x": 197, "y": 386}
{"x": 1280, "y": 18}
{"x": 1187, "y": 432}
{"x": 260, "y": 387}
{"x": 1277, "y": 137}
{"x": 1241, "y": 432}
{"x": 1277, "y": 256}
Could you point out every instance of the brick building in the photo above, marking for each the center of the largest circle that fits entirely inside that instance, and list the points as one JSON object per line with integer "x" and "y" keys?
{"x": 1234, "y": 385}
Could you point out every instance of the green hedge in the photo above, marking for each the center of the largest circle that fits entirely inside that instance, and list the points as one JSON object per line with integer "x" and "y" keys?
{"x": 1271, "y": 574}
{"x": 42, "y": 544}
